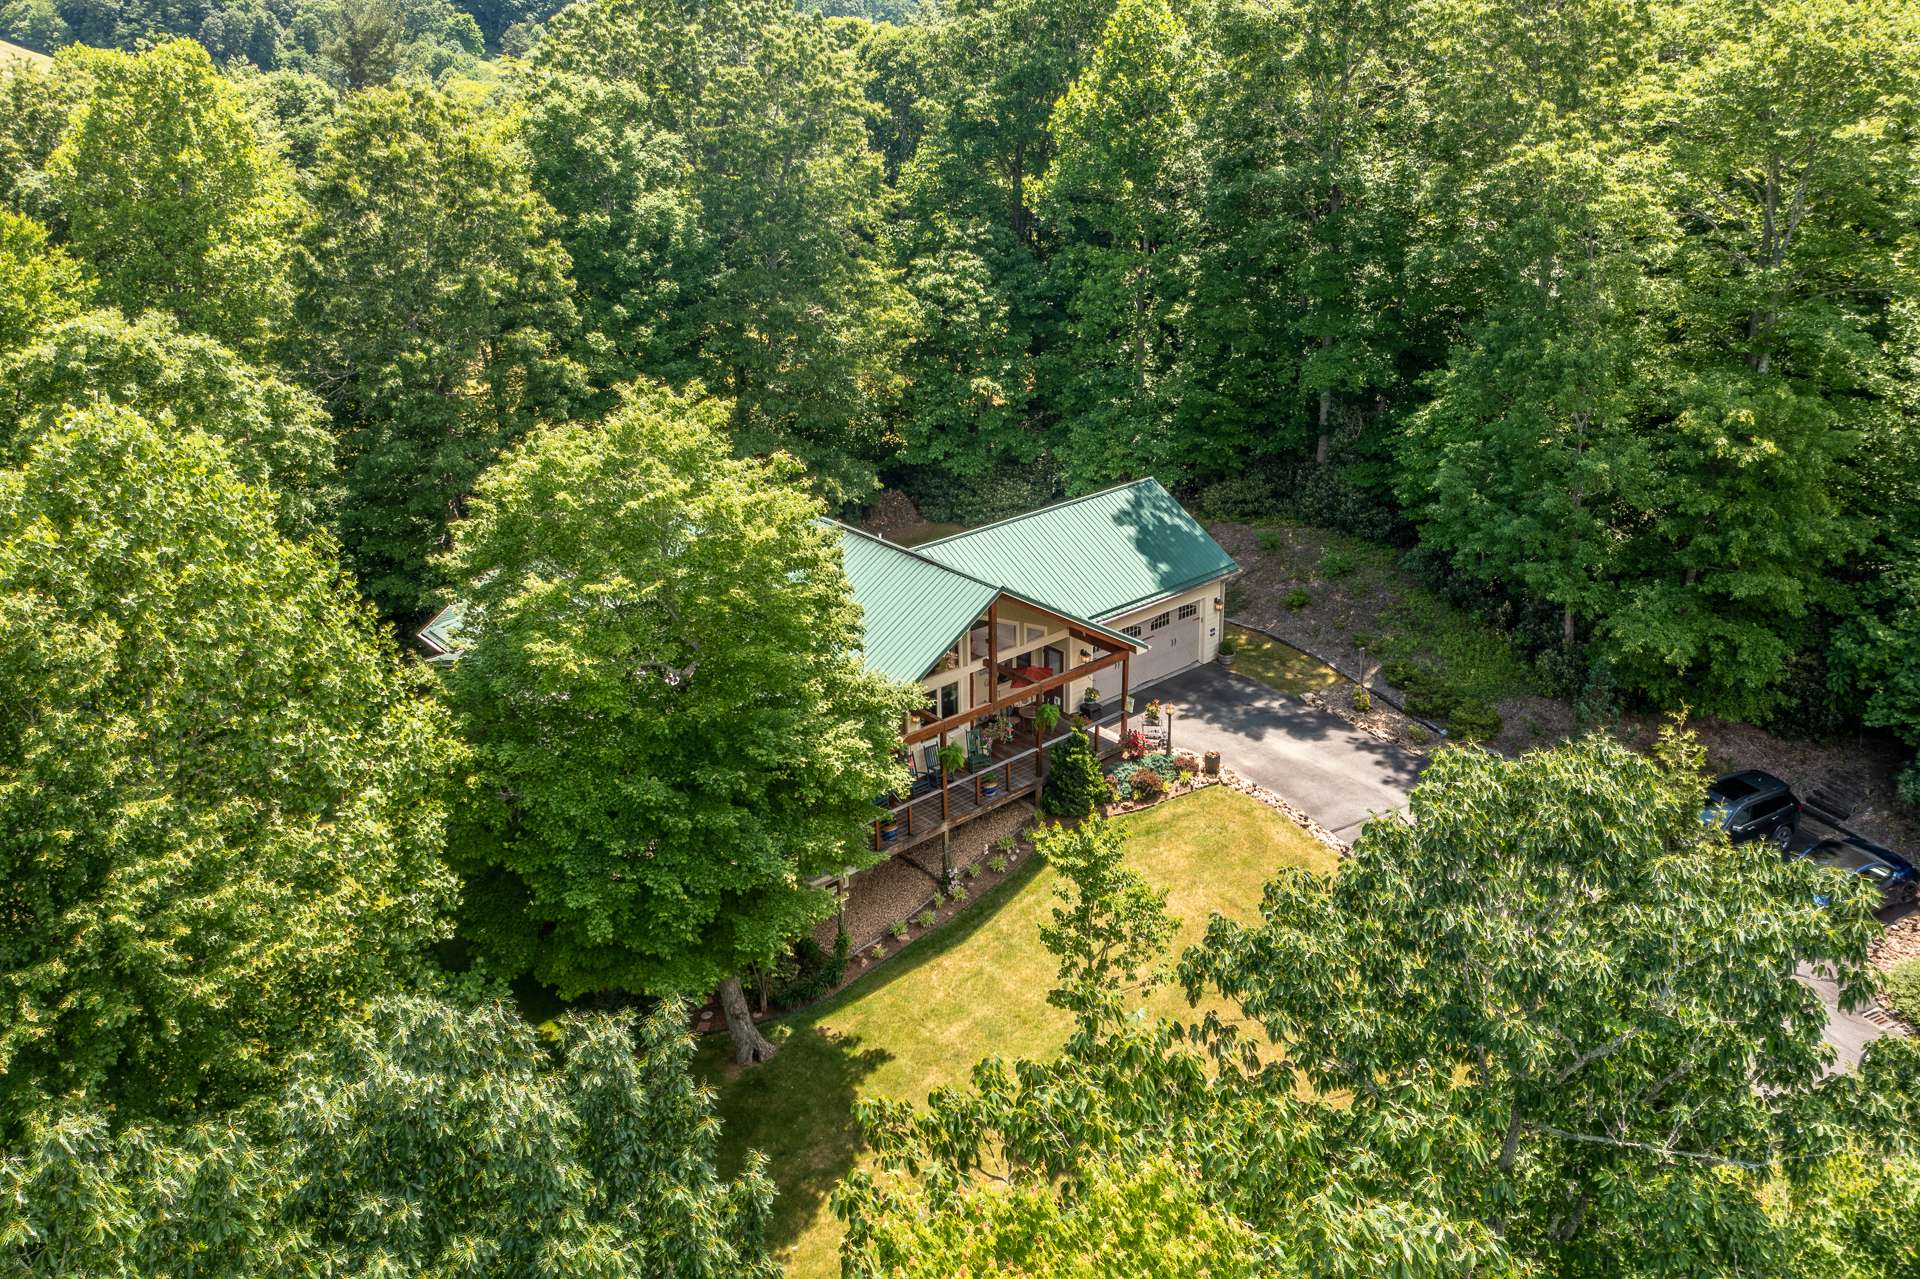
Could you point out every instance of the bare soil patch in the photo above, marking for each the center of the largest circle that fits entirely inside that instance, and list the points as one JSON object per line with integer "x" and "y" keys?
{"x": 893, "y": 515}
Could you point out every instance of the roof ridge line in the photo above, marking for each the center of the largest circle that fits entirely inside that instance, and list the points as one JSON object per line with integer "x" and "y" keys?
{"x": 910, "y": 553}
{"x": 997, "y": 587}
{"x": 1042, "y": 510}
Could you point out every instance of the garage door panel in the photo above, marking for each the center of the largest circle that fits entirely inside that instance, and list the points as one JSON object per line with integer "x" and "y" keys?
{"x": 1173, "y": 645}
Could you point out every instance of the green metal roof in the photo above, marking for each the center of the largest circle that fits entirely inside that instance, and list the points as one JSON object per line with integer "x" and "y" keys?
{"x": 914, "y": 609}
{"x": 1092, "y": 556}
{"x": 442, "y": 634}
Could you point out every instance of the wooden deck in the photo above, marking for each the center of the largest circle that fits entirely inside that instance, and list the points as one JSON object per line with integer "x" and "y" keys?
{"x": 1016, "y": 775}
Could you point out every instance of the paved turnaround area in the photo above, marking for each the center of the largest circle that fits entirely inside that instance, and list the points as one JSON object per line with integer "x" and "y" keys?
{"x": 1338, "y": 775}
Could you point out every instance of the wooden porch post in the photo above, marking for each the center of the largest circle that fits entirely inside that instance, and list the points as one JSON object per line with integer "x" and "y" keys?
{"x": 1126, "y": 663}
{"x": 940, "y": 753}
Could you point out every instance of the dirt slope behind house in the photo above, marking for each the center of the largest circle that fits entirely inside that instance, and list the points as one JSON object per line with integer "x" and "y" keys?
{"x": 1350, "y": 603}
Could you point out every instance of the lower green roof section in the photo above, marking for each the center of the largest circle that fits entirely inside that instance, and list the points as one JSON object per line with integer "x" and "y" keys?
{"x": 914, "y": 609}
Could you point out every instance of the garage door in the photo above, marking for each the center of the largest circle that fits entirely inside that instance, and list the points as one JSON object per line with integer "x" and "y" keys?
{"x": 1173, "y": 639}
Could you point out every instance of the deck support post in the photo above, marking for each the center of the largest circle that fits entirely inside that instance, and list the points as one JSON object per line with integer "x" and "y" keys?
{"x": 946, "y": 858}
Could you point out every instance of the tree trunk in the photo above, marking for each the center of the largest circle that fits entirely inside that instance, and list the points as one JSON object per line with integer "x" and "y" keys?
{"x": 1567, "y": 625}
{"x": 1323, "y": 446}
{"x": 749, "y": 1045}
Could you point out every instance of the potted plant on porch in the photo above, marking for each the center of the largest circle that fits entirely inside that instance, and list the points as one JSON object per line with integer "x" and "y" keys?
{"x": 1090, "y": 702}
{"x": 1047, "y": 716}
{"x": 952, "y": 758}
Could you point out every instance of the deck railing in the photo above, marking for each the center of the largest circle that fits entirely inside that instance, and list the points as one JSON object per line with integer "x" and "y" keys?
{"x": 966, "y": 794}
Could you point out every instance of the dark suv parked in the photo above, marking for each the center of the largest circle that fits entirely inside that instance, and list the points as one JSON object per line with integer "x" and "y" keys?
{"x": 1753, "y": 805}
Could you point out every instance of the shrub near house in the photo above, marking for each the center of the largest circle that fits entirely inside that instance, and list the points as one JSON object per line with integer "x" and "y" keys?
{"x": 1075, "y": 784}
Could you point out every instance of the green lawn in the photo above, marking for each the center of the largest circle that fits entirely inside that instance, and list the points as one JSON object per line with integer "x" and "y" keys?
{"x": 975, "y": 988}
{"x": 1278, "y": 665}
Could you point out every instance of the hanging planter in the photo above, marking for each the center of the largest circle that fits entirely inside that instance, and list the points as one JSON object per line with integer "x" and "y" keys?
{"x": 952, "y": 757}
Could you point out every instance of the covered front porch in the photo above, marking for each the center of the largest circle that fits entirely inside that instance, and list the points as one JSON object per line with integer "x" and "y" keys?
{"x": 1008, "y": 771}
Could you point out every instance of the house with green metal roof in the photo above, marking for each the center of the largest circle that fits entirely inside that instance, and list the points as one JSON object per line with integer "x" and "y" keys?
{"x": 1011, "y": 627}
{"x": 1127, "y": 563}
{"x": 1081, "y": 604}
{"x": 1078, "y": 605}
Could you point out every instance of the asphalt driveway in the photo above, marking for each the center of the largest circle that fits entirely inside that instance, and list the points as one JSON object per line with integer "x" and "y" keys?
{"x": 1340, "y": 777}
{"x": 1337, "y": 774}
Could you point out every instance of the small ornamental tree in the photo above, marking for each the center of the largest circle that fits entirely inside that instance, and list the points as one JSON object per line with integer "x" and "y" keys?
{"x": 220, "y": 790}
{"x": 674, "y": 732}
{"x": 431, "y": 1140}
{"x": 1075, "y": 785}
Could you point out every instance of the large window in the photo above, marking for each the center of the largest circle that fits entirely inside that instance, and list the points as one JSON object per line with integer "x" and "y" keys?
{"x": 945, "y": 700}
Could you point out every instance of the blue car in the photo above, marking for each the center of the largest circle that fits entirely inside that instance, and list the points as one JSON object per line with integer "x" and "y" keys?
{"x": 1887, "y": 870}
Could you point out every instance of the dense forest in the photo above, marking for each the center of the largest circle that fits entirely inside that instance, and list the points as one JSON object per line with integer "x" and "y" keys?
{"x": 1604, "y": 314}
{"x": 1607, "y": 310}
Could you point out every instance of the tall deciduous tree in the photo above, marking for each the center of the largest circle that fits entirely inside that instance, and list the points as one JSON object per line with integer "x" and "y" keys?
{"x": 1302, "y": 317}
{"x": 1533, "y": 463}
{"x": 1119, "y": 193}
{"x": 170, "y": 197}
{"x": 1785, "y": 127}
{"x": 620, "y": 182}
{"x": 276, "y": 434}
{"x": 673, "y": 730}
{"x": 431, "y": 1140}
{"x": 219, "y": 790}
{"x": 785, "y": 307}
{"x": 433, "y": 306}
{"x": 1557, "y": 956}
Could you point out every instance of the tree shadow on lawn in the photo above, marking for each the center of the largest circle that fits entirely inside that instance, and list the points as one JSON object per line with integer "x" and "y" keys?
{"x": 798, "y": 1108}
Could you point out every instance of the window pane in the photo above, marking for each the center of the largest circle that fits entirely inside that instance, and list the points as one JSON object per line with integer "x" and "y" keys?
{"x": 1165, "y": 619}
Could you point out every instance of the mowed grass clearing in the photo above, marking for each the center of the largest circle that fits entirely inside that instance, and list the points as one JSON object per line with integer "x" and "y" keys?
{"x": 1278, "y": 665}
{"x": 975, "y": 988}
